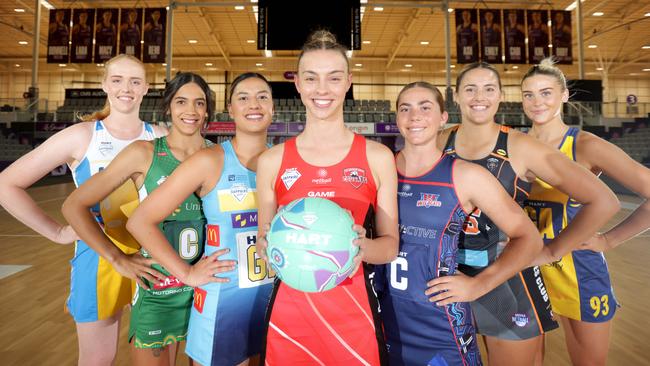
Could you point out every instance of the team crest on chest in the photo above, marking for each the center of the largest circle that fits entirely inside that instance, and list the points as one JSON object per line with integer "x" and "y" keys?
{"x": 289, "y": 177}
{"x": 239, "y": 191}
{"x": 492, "y": 163}
{"x": 428, "y": 200}
{"x": 355, "y": 176}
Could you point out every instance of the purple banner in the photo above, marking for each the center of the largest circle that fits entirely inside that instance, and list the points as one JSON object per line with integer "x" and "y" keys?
{"x": 490, "y": 35}
{"x": 105, "y": 35}
{"x": 466, "y": 36}
{"x": 155, "y": 23}
{"x": 58, "y": 38}
{"x": 538, "y": 40}
{"x": 515, "y": 46}
{"x": 562, "y": 36}
{"x": 277, "y": 128}
{"x": 296, "y": 127}
{"x": 386, "y": 128}
{"x": 131, "y": 32}
{"x": 83, "y": 29}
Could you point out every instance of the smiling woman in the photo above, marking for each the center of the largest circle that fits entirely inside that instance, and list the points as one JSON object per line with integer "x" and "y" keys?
{"x": 98, "y": 292}
{"x": 147, "y": 164}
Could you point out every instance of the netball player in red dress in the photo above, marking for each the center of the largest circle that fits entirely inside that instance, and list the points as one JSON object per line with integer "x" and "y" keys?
{"x": 340, "y": 326}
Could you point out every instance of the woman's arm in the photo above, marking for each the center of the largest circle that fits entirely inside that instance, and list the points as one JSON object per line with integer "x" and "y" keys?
{"x": 476, "y": 187}
{"x": 65, "y": 147}
{"x": 199, "y": 173}
{"x": 130, "y": 163}
{"x": 383, "y": 248}
{"x": 550, "y": 165}
{"x": 268, "y": 165}
{"x": 599, "y": 155}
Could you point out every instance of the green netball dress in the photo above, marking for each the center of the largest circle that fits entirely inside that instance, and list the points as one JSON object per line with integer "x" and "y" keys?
{"x": 160, "y": 315}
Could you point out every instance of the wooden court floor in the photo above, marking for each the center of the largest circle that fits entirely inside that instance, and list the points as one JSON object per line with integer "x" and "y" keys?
{"x": 36, "y": 331}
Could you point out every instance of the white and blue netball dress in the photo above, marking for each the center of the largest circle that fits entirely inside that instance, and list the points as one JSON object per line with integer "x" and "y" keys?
{"x": 418, "y": 332}
{"x": 97, "y": 291}
{"x": 227, "y": 319}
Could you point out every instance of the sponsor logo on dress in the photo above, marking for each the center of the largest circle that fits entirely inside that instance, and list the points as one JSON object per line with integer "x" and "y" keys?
{"x": 322, "y": 177}
{"x": 243, "y": 219}
{"x": 418, "y": 232}
{"x": 212, "y": 235}
{"x": 236, "y": 177}
{"x": 161, "y": 153}
{"x": 520, "y": 319}
{"x": 168, "y": 282}
{"x": 492, "y": 163}
{"x": 105, "y": 147}
{"x": 502, "y": 152}
{"x": 328, "y": 194}
{"x": 355, "y": 176}
{"x": 199, "y": 299}
{"x": 161, "y": 180}
{"x": 405, "y": 191}
{"x": 289, "y": 177}
{"x": 155, "y": 332}
{"x": 239, "y": 191}
{"x": 428, "y": 200}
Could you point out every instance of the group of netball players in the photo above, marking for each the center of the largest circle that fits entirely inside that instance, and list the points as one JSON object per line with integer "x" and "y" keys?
{"x": 475, "y": 229}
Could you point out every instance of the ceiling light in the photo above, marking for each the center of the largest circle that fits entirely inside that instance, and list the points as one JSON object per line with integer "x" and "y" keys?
{"x": 164, "y": 64}
{"x": 259, "y": 64}
{"x": 358, "y": 65}
{"x": 453, "y": 66}
{"x": 646, "y": 47}
{"x": 515, "y": 67}
{"x": 254, "y": 1}
{"x": 573, "y": 5}
{"x": 268, "y": 53}
{"x": 193, "y": 41}
{"x": 646, "y": 15}
{"x": 46, "y": 4}
{"x": 17, "y": 65}
{"x": 239, "y": 7}
{"x": 23, "y": 42}
{"x": 208, "y": 64}
{"x": 634, "y": 74}
{"x": 646, "y": 69}
{"x": 599, "y": 69}
{"x": 19, "y": 10}
{"x": 378, "y": 8}
{"x": 62, "y": 65}
{"x": 598, "y": 14}
{"x": 408, "y": 65}
{"x": 450, "y": 10}
{"x": 100, "y": 65}
{"x": 424, "y": 43}
{"x": 366, "y": 42}
{"x": 250, "y": 41}
{"x": 593, "y": 46}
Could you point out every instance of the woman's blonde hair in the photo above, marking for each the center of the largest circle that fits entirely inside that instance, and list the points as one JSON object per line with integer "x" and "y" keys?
{"x": 104, "y": 112}
{"x": 547, "y": 67}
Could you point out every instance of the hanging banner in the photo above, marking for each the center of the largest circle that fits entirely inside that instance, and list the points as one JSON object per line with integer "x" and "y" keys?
{"x": 466, "y": 36}
{"x": 58, "y": 36}
{"x": 562, "y": 36}
{"x": 83, "y": 28}
{"x": 131, "y": 32}
{"x": 490, "y": 35}
{"x": 515, "y": 36}
{"x": 105, "y": 35}
{"x": 538, "y": 40}
{"x": 155, "y": 23}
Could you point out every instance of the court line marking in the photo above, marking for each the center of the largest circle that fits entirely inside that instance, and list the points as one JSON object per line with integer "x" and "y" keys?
{"x": 7, "y": 270}
{"x": 22, "y": 235}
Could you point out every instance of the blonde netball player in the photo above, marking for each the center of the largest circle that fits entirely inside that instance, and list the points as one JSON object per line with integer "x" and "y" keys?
{"x": 578, "y": 283}
{"x": 99, "y": 290}
{"x": 232, "y": 283}
{"x": 340, "y": 326}
{"x": 161, "y": 305}
{"x": 514, "y": 316}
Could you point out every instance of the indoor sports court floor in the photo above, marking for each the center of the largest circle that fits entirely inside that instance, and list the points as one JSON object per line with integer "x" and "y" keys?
{"x": 34, "y": 280}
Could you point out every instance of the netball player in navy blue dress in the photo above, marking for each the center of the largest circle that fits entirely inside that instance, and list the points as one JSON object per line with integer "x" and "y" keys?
{"x": 424, "y": 299}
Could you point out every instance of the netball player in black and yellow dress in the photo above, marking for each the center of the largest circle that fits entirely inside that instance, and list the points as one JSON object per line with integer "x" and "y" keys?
{"x": 578, "y": 284}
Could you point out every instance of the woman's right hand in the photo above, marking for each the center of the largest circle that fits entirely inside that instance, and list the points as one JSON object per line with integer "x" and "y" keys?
{"x": 261, "y": 244}
{"x": 205, "y": 270}
{"x": 137, "y": 267}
